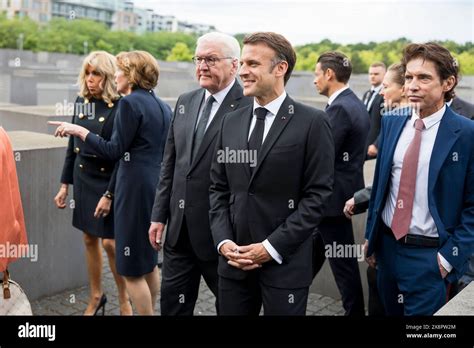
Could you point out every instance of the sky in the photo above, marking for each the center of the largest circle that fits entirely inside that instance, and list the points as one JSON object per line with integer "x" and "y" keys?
{"x": 305, "y": 21}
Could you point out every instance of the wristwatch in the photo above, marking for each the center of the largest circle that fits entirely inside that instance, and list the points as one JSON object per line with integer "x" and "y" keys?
{"x": 108, "y": 195}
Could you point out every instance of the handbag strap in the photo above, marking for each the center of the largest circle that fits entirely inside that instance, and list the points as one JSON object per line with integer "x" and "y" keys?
{"x": 6, "y": 285}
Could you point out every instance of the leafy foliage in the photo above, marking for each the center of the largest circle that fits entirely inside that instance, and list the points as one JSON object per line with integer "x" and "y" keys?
{"x": 79, "y": 36}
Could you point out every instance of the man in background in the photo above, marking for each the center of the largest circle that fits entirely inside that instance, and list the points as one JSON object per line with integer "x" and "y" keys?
{"x": 373, "y": 101}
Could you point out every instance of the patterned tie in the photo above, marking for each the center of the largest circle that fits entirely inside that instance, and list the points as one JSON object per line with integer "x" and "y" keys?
{"x": 201, "y": 128}
{"x": 406, "y": 192}
{"x": 256, "y": 138}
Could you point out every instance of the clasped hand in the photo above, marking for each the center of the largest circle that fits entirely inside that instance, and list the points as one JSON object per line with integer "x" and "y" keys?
{"x": 245, "y": 257}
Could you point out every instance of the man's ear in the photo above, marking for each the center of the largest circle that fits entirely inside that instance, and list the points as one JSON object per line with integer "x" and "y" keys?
{"x": 329, "y": 74}
{"x": 448, "y": 84}
{"x": 281, "y": 68}
{"x": 235, "y": 66}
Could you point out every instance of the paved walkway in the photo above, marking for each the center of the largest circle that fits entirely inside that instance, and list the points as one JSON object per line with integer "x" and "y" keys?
{"x": 74, "y": 302}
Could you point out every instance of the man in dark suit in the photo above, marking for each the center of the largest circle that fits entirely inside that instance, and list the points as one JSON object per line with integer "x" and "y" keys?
{"x": 462, "y": 107}
{"x": 350, "y": 126}
{"x": 420, "y": 228}
{"x": 182, "y": 197}
{"x": 374, "y": 104}
{"x": 271, "y": 177}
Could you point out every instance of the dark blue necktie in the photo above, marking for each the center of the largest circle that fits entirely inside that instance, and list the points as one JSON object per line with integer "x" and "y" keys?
{"x": 256, "y": 138}
{"x": 201, "y": 128}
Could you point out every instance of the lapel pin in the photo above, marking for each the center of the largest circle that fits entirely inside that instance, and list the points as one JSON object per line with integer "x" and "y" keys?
{"x": 231, "y": 105}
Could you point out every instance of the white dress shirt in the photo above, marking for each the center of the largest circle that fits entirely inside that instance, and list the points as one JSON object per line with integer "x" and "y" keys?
{"x": 219, "y": 98}
{"x": 273, "y": 107}
{"x": 336, "y": 94}
{"x": 422, "y": 222}
{"x": 376, "y": 91}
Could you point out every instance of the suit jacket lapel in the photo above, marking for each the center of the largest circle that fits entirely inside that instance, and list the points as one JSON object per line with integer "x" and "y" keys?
{"x": 279, "y": 123}
{"x": 229, "y": 104}
{"x": 247, "y": 114}
{"x": 448, "y": 133}
{"x": 193, "y": 112}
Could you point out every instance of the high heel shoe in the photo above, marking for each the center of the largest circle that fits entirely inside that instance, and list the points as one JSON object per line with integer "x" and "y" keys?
{"x": 103, "y": 301}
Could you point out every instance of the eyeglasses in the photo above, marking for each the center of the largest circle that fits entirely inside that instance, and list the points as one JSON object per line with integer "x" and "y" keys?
{"x": 210, "y": 61}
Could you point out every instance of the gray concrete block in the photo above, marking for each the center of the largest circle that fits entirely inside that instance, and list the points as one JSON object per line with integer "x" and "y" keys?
{"x": 60, "y": 263}
{"x": 32, "y": 118}
{"x": 461, "y": 304}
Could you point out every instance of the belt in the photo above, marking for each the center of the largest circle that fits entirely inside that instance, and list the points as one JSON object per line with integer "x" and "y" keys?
{"x": 413, "y": 239}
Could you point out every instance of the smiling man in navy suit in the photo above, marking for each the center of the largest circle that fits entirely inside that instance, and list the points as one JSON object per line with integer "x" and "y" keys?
{"x": 420, "y": 227}
{"x": 263, "y": 212}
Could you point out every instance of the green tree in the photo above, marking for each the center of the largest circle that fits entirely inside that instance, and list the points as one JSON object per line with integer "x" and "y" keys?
{"x": 358, "y": 66}
{"x": 180, "y": 52}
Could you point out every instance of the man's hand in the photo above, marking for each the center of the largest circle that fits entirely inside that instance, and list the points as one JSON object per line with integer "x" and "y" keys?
{"x": 372, "y": 150}
{"x": 155, "y": 233}
{"x": 231, "y": 252}
{"x": 256, "y": 253}
{"x": 60, "y": 199}
{"x": 349, "y": 208}
{"x": 371, "y": 259}
{"x": 103, "y": 207}
{"x": 444, "y": 272}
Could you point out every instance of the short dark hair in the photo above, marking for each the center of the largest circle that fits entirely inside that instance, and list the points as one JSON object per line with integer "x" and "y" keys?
{"x": 337, "y": 62}
{"x": 444, "y": 62}
{"x": 283, "y": 49}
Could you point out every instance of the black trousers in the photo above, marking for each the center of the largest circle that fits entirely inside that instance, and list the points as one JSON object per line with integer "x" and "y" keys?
{"x": 375, "y": 306}
{"x": 181, "y": 276}
{"x": 345, "y": 269}
{"x": 245, "y": 297}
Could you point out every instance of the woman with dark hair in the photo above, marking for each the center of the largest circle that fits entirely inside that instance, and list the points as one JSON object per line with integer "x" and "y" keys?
{"x": 138, "y": 140}
{"x": 93, "y": 178}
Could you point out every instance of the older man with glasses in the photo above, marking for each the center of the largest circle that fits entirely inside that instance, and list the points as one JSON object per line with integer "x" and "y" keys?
{"x": 182, "y": 198}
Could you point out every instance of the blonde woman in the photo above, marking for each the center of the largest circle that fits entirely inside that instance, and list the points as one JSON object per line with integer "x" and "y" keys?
{"x": 138, "y": 140}
{"x": 393, "y": 88}
{"x": 93, "y": 178}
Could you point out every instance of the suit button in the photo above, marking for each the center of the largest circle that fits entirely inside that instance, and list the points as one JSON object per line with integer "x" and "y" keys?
{"x": 102, "y": 169}
{"x": 81, "y": 166}
{"x": 76, "y": 150}
{"x": 81, "y": 115}
{"x": 101, "y": 119}
{"x": 188, "y": 177}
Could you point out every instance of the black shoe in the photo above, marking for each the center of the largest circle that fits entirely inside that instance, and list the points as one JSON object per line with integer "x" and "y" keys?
{"x": 103, "y": 301}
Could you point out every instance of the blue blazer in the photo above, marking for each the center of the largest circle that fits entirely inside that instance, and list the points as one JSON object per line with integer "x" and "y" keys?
{"x": 450, "y": 185}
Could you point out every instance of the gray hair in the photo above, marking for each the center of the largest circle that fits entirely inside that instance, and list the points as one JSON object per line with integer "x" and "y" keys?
{"x": 229, "y": 44}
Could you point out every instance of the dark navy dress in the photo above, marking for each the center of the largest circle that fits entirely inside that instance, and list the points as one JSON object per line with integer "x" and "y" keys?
{"x": 90, "y": 175}
{"x": 138, "y": 140}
